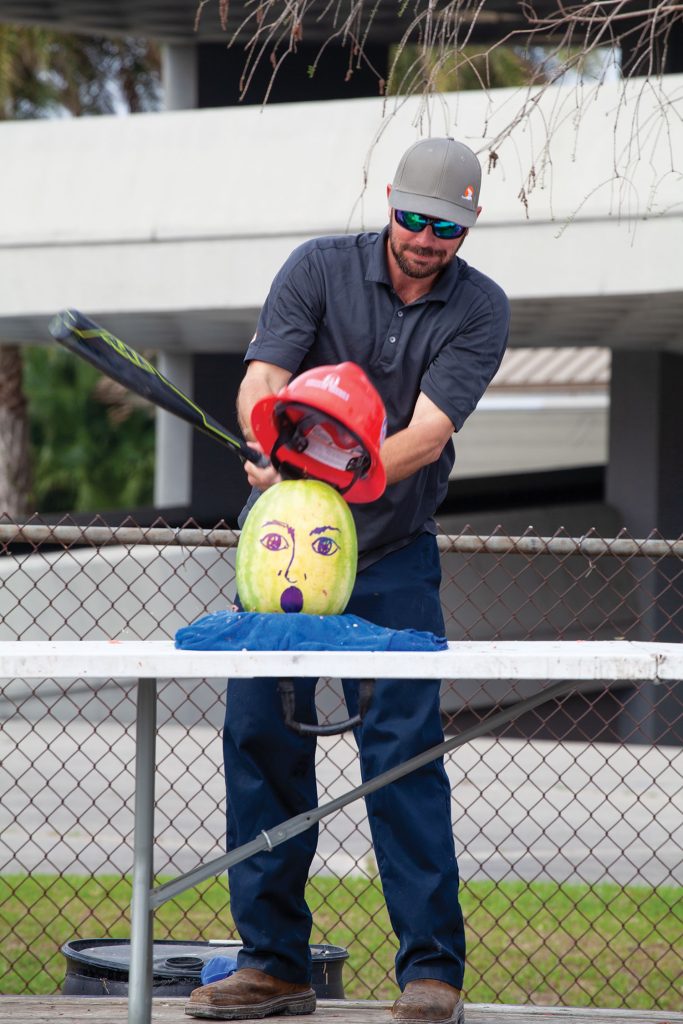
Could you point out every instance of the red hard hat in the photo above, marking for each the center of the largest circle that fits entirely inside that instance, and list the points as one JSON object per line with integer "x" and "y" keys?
{"x": 327, "y": 423}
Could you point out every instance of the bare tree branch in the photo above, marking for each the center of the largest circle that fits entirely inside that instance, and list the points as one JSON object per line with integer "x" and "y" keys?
{"x": 441, "y": 44}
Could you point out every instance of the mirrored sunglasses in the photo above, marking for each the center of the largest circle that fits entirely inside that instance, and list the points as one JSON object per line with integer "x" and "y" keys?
{"x": 418, "y": 222}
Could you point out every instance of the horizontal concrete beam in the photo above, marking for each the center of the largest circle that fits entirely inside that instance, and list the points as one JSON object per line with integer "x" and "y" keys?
{"x": 201, "y": 296}
{"x": 174, "y": 224}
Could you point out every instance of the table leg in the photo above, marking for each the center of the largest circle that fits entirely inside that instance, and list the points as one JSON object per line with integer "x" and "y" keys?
{"x": 142, "y": 918}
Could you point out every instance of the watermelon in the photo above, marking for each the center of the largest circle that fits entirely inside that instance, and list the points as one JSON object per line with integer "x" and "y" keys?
{"x": 298, "y": 551}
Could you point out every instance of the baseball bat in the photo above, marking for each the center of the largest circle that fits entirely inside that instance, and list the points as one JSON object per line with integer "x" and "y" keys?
{"x": 122, "y": 363}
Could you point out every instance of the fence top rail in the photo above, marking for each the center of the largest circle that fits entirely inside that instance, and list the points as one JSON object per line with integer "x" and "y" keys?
{"x": 520, "y": 659}
{"x": 588, "y": 546}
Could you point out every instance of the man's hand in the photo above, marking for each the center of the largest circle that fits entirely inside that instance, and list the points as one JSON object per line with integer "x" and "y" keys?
{"x": 262, "y": 478}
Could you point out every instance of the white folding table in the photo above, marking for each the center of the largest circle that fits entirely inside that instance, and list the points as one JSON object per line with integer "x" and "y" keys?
{"x": 151, "y": 661}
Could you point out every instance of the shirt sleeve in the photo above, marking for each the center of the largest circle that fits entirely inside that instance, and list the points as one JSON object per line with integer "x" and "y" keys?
{"x": 463, "y": 368}
{"x": 292, "y": 313}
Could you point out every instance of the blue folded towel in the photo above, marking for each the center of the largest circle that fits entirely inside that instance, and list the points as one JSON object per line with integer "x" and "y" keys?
{"x": 265, "y": 631}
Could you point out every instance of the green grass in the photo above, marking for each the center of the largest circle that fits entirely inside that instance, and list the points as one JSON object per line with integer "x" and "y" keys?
{"x": 536, "y": 942}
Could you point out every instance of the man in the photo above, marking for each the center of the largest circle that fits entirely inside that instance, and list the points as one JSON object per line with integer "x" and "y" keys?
{"x": 430, "y": 332}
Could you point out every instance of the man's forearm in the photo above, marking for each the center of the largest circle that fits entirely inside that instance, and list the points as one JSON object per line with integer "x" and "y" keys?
{"x": 419, "y": 444}
{"x": 261, "y": 379}
{"x": 407, "y": 451}
{"x": 247, "y": 396}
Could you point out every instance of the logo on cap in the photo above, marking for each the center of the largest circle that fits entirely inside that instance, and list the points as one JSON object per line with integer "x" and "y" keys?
{"x": 329, "y": 383}
{"x": 468, "y": 194}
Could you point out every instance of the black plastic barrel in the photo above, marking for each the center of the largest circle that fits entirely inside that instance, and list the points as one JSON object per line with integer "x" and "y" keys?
{"x": 100, "y": 967}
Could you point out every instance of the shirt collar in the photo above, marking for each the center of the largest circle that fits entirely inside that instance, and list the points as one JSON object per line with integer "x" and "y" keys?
{"x": 378, "y": 271}
{"x": 377, "y": 264}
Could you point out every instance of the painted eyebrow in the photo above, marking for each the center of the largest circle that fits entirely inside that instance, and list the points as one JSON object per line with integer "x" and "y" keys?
{"x": 278, "y": 522}
{"x": 323, "y": 529}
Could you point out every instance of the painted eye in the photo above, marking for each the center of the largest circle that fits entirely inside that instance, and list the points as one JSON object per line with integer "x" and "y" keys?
{"x": 274, "y": 542}
{"x": 325, "y": 546}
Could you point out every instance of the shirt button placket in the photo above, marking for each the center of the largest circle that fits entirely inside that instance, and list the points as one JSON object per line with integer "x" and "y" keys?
{"x": 393, "y": 338}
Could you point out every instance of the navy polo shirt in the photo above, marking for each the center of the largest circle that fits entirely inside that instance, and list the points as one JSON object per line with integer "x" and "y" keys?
{"x": 333, "y": 301}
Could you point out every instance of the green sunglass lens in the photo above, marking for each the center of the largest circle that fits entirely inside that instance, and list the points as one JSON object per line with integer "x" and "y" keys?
{"x": 414, "y": 221}
{"x": 446, "y": 229}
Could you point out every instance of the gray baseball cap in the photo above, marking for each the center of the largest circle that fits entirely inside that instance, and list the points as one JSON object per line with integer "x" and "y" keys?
{"x": 438, "y": 178}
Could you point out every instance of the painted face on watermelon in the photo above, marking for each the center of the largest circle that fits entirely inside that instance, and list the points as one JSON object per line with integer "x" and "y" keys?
{"x": 298, "y": 551}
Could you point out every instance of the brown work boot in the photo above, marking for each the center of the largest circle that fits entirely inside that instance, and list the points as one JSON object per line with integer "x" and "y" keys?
{"x": 427, "y": 1000}
{"x": 249, "y": 993}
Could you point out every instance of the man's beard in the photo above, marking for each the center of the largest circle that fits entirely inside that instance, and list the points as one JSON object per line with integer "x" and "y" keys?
{"x": 437, "y": 259}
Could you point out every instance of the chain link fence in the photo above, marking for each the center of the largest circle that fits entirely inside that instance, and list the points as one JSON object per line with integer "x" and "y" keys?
{"x": 568, "y": 823}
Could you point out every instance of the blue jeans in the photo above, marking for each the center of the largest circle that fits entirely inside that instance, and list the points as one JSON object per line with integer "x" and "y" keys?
{"x": 270, "y": 776}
